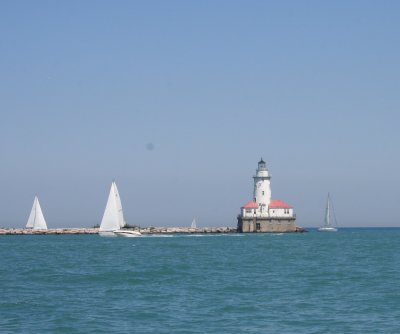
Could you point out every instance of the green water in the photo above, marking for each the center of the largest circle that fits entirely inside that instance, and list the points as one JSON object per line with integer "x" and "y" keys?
{"x": 345, "y": 282}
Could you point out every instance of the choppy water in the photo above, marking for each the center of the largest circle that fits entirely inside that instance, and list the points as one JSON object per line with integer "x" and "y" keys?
{"x": 345, "y": 282}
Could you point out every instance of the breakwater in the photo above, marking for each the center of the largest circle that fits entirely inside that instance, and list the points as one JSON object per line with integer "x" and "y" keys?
{"x": 144, "y": 230}
{"x": 188, "y": 230}
{"x": 23, "y": 231}
{"x": 170, "y": 230}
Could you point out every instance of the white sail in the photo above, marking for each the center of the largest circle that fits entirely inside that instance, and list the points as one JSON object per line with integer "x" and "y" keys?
{"x": 328, "y": 226}
{"x": 36, "y": 219}
{"x": 121, "y": 219}
{"x": 194, "y": 225}
{"x": 113, "y": 218}
{"x": 328, "y": 213}
{"x": 32, "y": 215}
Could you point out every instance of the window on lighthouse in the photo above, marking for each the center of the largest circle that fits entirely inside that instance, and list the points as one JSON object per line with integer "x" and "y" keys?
{"x": 263, "y": 193}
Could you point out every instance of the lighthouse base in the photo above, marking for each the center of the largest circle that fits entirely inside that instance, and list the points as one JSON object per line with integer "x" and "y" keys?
{"x": 267, "y": 225}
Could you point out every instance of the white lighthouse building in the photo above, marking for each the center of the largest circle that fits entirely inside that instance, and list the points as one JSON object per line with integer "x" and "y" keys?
{"x": 263, "y": 214}
{"x": 262, "y": 188}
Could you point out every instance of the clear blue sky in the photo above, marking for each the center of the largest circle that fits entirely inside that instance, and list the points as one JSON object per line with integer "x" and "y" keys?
{"x": 178, "y": 100}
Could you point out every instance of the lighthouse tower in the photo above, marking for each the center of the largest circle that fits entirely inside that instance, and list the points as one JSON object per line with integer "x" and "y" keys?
{"x": 262, "y": 188}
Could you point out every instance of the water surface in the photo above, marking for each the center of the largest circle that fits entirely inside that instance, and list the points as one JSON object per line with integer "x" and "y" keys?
{"x": 345, "y": 282}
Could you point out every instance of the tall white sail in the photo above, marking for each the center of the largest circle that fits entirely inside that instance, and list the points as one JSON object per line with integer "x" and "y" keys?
{"x": 328, "y": 223}
{"x": 194, "y": 225}
{"x": 119, "y": 206}
{"x": 36, "y": 219}
{"x": 113, "y": 218}
{"x": 328, "y": 213}
{"x": 32, "y": 215}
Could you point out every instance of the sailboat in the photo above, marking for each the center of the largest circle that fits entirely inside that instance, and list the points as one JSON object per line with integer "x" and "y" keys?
{"x": 36, "y": 219}
{"x": 113, "y": 219}
{"x": 193, "y": 225}
{"x": 328, "y": 226}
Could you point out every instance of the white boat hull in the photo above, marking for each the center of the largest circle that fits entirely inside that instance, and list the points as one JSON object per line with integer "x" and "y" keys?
{"x": 127, "y": 234}
{"x": 327, "y": 229}
{"x": 107, "y": 234}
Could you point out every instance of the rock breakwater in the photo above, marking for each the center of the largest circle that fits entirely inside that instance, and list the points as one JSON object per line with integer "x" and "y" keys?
{"x": 143, "y": 230}
{"x": 187, "y": 230}
{"x": 26, "y": 231}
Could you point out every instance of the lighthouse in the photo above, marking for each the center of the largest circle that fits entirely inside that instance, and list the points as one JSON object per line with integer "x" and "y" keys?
{"x": 262, "y": 213}
{"x": 262, "y": 188}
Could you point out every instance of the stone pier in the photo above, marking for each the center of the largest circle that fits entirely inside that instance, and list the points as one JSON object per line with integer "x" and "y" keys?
{"x": 143, "y": 230}
{"x": 27, "y": 231}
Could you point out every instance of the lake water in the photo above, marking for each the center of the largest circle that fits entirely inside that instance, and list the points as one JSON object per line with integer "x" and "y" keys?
{"x": 345, "y": 282}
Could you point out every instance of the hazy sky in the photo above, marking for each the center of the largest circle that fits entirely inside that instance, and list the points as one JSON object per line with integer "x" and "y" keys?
{"x": 178, "y": 100}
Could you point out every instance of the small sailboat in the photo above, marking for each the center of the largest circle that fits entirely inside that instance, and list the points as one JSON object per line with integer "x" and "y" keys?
{"x": 193, "y": 225}
{"x": 36, "y": 219}
{"x": 328, "y": 225}
{"x": 113, "y": 219}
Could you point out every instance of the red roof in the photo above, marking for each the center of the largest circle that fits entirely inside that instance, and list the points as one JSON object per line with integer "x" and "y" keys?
{"x": 251, "y": 205}
{"x": 278, "y": 204}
